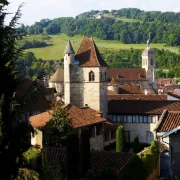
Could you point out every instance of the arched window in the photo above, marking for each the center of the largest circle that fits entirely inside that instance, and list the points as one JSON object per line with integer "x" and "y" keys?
{"x": 151, "y": 62}
{"x": 91, "y": 76}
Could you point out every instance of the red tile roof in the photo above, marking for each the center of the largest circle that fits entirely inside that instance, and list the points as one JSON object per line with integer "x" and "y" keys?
{"x": 169, "y": 121}
{"x": 127, "y": 74}
{"x": 130, "y": 89}
{"x": 88, "y": 54}
{"x": 80, "y": 117}
{"x": 137, "y": 97}
{"x": 99, "y": 160}
{"x": 153, "y": 107}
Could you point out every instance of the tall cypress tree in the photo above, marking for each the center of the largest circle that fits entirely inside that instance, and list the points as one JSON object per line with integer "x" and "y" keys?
{"x": 84, "y": 151}
{"x": 120, "y": 139}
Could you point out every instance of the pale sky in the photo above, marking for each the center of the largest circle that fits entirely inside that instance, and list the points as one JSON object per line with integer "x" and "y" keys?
{"x": 35, "y": 10}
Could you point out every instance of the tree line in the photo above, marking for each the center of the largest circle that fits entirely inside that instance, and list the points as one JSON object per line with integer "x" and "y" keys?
{"x": 111, "y": 29}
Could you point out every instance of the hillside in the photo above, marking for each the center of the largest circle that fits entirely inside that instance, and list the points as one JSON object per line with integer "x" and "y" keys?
{"x": 58, "y": 42}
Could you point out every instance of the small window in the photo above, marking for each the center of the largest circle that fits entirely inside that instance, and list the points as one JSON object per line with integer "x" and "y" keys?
{"x": 140, "y": 119}
{"x": 149, "y": 119}
{"x": 124, "y": 119}
{"x": 145, "y": 119}
{"x": 101, "y": 76}
{"x": 98, "y": 129}
{"x": 118, "y": 119}
{"x": 129, "y": 119}
{"x": 105, "y": 76}
{"x": 114, "y": 118}
{"x": 134, "y": 119}
{"x": 91, "y": 76}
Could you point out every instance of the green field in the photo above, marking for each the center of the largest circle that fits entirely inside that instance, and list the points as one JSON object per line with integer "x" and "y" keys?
{"x": 58, "y": 43}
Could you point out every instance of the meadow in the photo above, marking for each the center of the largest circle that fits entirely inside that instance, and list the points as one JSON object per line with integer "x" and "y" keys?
{"x": 58, "y": 42}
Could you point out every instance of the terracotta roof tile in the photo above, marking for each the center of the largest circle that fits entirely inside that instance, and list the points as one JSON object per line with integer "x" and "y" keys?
{"x": 80, "y": 117}
{"x": 99, "y": 160}
{"x": 170, "y": 121}
{"x": 137, "y": 97}
{"x": 130, "y": 89}
{"x": 142, "y": 106}
{"x": 88, "y": 54}
{"x": 127, "y": 74}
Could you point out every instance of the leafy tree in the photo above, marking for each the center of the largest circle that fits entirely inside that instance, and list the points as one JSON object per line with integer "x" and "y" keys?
{"x": 72, "y": 156}
{"x": 120, "y": 139}
{"x": 136, "y": 145}
{"x": 57, "y": 129}
{"x": 85, "y": 151}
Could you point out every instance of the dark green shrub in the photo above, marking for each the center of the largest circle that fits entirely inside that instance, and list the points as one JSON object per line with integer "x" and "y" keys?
{"x": 136, "y": 146}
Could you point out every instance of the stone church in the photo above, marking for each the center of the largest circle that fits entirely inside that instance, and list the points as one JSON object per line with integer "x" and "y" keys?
{"x": 86, "y": 78}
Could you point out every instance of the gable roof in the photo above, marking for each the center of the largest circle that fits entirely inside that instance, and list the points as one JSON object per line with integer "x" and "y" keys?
{"x": 137, "y": 97}
{"x": 99, "y": 160}
{"x": 149, "y": 107}
{"x": 88, "y": 54}
{"x": 127, "y": 74}
{"x": 80, "y": 117}
{"x": 173, "y": 95}
{"x": 169, "y": 121}
{"x": 58, "y": 76}
{"x": 175, "y": 130}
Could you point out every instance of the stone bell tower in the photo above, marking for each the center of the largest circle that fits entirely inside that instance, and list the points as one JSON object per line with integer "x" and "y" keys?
{"x": 69, "y": 57}
{"x": 148, "y": 63}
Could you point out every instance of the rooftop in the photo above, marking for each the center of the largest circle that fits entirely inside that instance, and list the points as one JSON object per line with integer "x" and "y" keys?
{"x": 169, "y": 121}
{"x": 99, "y": 160}
{"x": 126, "y": 74}
{"x": 80, "y": 117}
{"x": 88, "y": 54}
{"x": 58, "y": 76}
{"x": 149, "y": 107}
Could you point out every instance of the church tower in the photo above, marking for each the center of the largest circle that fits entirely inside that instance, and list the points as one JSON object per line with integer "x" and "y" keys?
{"x": 148, "y": 63}
{"x": 69, "y": 57}
{"x": 85, "y": 77}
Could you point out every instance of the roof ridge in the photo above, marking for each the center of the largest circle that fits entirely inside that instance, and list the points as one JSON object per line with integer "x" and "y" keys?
{"x": 94, "y": 48}
{"x": 80, "y": 44}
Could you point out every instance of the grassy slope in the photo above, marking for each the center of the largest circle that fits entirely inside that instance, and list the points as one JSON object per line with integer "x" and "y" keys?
{"x": 59, "y": 41}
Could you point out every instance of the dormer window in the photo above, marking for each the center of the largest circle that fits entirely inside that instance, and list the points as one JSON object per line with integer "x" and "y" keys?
{"x": 91, "y": 76}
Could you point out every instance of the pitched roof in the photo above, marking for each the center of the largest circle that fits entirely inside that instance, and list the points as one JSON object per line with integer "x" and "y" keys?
{"x": 130, "y": 89}
{"x": 173, "y": 95}
{"x": 126, "y": 74}
{"x": 110, "y": 92}
{"x": 80, "y": 117}
{"x": 137, "y": 97}
{"x": 88, "y": 54}
{"x": 58, "y": 76}
{"x": 99, "y": 160}
{"x": 69, "y": 49}
{"x": 170, "y": 120}
{"x": 153, "y": 107}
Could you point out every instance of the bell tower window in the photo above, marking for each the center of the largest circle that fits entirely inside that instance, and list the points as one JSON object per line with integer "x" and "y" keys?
{"x": 91, "y": 76}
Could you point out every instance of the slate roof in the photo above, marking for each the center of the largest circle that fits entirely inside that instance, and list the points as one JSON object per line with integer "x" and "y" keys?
{"x": 126, "y": 74}
{"x": 88, "y": 54}
{"x": 80, "y": 117}
{"x": 58, "y": 76}
{"x": 170, "y": 120}
{"x": 149, "y": 107}
{"x": 69, "y": 49}
{"x": 137, "y": 97}
{"x": 99, "y": 160}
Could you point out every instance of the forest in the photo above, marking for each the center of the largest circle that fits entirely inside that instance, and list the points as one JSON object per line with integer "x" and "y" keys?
{"x": 164, "y": 27}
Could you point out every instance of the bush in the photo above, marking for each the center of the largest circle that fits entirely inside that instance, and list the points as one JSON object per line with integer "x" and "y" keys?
{"x": 136, "y": 146}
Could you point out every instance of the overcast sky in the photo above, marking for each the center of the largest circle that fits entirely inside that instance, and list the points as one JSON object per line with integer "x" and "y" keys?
{"x": 35, "y": 10}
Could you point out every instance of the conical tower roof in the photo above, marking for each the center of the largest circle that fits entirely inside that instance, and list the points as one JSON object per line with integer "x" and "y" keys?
{"x": 69, "y": 49}
{"x": 58, "y": 76}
